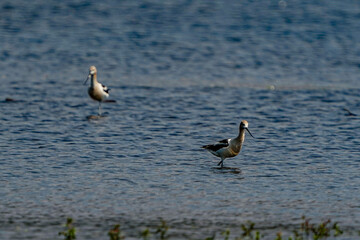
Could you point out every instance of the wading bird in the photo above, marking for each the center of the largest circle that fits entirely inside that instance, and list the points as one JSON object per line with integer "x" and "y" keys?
{"x": 97, "y": 91}
{"x": 228, "y": 148}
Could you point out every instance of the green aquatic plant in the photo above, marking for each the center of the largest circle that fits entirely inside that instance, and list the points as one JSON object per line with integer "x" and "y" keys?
{"x": 145, "y": 234}
{"x": 337, "y": 230}
{"x": 307, "y": 231}
{"x": 297, "y": 236}
{"x": 248, "y": 232}
{"x": 247, "y": 229}
{"x": 212, "y": 237}
{"x": 115, "y": 233}
{"x": 226, "y": 234}
{"x": 321, "y": 231}
{"x": 70, "y": 232}
{"x": 278, "y": 236}
{"x": 162, "y": 230}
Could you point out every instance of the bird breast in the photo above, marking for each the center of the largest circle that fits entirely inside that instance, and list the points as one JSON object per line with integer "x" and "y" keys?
{"x": 97, "y": 92}
{"x": 235, "y": 147}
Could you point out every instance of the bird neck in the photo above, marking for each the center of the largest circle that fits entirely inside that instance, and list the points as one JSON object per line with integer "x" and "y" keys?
{"x": 237, "y": 142}
{"x": 241, "y": 136}
{"x": 93, "y": 80}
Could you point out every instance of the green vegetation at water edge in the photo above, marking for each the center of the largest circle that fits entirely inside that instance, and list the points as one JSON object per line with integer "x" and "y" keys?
{"x": 307, "y": 230}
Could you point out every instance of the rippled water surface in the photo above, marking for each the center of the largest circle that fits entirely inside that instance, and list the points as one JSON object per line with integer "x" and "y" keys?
{"x": 183, "y": 74}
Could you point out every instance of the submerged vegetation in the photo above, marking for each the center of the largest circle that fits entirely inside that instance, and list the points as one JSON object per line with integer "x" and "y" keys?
{"x": 70, "y": 231}
{"x": 115, "y": 233}
{"x": 307, "y": 230}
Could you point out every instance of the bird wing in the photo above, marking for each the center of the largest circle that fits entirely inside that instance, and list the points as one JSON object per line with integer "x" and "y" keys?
{"x": 215, "y": 147}
{"x": 105, "y": 88}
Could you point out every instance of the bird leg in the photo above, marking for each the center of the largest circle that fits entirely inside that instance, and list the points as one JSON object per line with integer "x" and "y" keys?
{"x": 221, "y": 162}
{"x": 99, "y": 108}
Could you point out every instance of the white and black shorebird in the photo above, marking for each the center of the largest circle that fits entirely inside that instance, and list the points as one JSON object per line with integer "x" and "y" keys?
{"x": 231, "y": 147}
{"x": 97, "y": 91}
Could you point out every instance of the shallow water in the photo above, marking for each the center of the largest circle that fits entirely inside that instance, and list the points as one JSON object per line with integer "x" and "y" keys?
{"x": 183, "y": 75}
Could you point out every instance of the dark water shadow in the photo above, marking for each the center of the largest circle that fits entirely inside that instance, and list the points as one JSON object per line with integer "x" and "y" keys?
{"x": 225, "y": 170}
{"x": 95, "y": 117}
{"x": 349, "y": 113}
{"x": 12, "y": 100}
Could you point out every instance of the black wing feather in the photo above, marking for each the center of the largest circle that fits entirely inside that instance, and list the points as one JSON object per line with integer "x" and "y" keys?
{"x": 214, "y": 147}
{"x": 105, "y": 88}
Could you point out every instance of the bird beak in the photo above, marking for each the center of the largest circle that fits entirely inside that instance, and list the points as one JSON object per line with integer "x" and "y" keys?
{"x": 249, "y": 132}
{"x": 87, "y": 79}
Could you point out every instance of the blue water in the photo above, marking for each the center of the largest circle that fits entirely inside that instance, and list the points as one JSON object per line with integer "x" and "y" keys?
{"x": 183, "y": 74}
